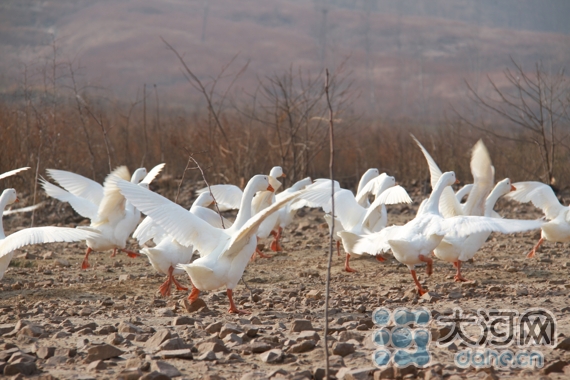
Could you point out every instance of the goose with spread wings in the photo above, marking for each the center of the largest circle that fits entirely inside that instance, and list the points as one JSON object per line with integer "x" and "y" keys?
{"x": 557, "y": 228}
{"x": 28, "y": 236}
{"x": 168, "y": 252}
{"x": 224, "y": 252}
{"x": 112, "y": 218}
{"x": 413, "y": 242}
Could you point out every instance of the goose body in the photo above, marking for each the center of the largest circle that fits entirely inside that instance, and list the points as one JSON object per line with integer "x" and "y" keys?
{"x": 28, "y": 236}
{"x": 224, "y": 252}
{"x": 168, "y": 252}
{"x": 557, "y": 227}
{"x": 412, "y": 242}
{"x": 112, "y": 218}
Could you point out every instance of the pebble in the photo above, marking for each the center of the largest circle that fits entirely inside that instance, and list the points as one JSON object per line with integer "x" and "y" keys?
{"x": 299, "y": 325}
{"x": 273, "y": 356}
{"x": 102, "y": 352}
{"x": 164, "y": 368}
{"x": 304, "y": 346}
{"x": 157, "y": 339}
{"x": 343, "y": 348}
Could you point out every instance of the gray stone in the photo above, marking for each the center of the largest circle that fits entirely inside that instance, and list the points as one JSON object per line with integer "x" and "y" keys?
{"x": 130, "y": 374}
{"x": 155, "y": 375}
{"x": 164, "y": 368}
{"x": 230, "y": 328}
{"x": 259, "y": 347}
{"x": 308, "y": 335}
{"x": 157, "y": 339}
{"x": 214, "y": 327}
{"x": 208, "y": 355}
{"x": 31, "y": 330}
{"x": 272, "y": 356}
{"x": 299, "y": 325}
{"x": 97, "y": 365}
{"x": 212, "y": 346}
{"x": 563, "y": 344}
{"x": 343, "y": 348}
{"x": 184, "y": 353}
{"x": 173, "y": 344}
{"x": 304, "y": 346}
{"x": 102, "y": 352}
{"x": 555, "y": 366}
{"x": 183, "y": 320}
{"x": 126, "y": 327}
{"x": 25, "y": 368}
{"x": 115, "y": 338}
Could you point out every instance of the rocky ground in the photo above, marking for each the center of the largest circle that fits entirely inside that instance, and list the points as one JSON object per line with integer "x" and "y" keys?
{"x": 58, "y": 321}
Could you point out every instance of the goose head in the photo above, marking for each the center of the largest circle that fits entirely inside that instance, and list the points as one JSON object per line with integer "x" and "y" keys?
{"x": 277, "y": 172}
{"x": 9, "y": 196}
{"x": 505, "y": 186}
{"x": 138, "y": 175}
{"x": 446, "y": 179}
{"x": 384, "y": 182}
{"x": 260, "y": 182}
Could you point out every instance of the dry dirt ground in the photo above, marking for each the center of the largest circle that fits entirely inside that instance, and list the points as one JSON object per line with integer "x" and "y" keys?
{"x": 54, "y": 316}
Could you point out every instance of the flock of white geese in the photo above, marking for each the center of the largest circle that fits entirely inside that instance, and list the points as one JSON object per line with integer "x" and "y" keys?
{"x": 443, "y": 226}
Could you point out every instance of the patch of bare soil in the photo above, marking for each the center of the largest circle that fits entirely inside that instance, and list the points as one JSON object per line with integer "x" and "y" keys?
{"x": 110, "y": 322}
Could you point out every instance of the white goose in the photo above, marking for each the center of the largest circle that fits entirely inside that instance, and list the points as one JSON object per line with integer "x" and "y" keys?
{"x": 168, "y": 253}
{"x": 351, "y": 216}
{"x": 112, "y": 219}
{"x": 557, "y": 229}
{"x": 455, "y": 249}
{"x": 225, "y": 252}
{"x": 36, "y": 235}
{"x": 412, "y": 243}
{"x": 229, "y": 197}
{"x": 284, "y": 216}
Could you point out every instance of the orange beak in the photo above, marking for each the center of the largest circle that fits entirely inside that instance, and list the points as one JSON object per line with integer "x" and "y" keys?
{"x": 270, "y": 188}
{"x": 457, "y": 182}
{"x": 513, "y": 188}
{"x": 284, "y": 175}
{"x": 17, "y": 200}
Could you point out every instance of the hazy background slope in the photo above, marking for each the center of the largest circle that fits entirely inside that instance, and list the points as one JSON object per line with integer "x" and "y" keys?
{"x": 407, "y": 58}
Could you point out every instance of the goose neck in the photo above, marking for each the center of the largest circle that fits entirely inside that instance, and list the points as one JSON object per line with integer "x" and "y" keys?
{"x": 491, "y": 200}
{"x": 3, "y": 204}
{"x": 432, "y": 203}
{"x": 244, "y": 213}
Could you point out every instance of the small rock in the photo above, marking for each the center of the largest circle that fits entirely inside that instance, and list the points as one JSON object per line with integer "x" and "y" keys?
{"x": 197, "y": 305}
{"x": 214, "y": 327}
{"x": 102, "y": 352}
{"x": 259, "y": 347}
{"x": 358, "y": 374}
{"x": 250, "y": 330}
{"x": 207, "y": 356}
{"x": 115, "y": 338}
{"x": 212, "y": 346}
{"x": 494, "y": 288}
{"x": 386, "y": 373}
{"x": 304, "y": 346}
{"x": 173, "y": 344}
{"x": 157, "y": 339}
{"x": 155, "y": 375}
{"x": 555, "y": 366}
{"x": 272, "y": 356}
{"x": 31, "y": 330}
{"x": 45, "y": 352}
{"x": 126, "y": 327}
{"x": 48, "y": 255}
{"x": 164, "y": 312}
{"x": 183, "y": 320}
{"x": 24, "y": 368}
{"x": 130, "y": 374}
{"x": 308, "y": 334}
{"x": 184, "y": 353}
{"x": 299, "y": 325}
{"x": 229, "y": 328}
{"x": 164, "y": 368}
{"x": 97, "y": 365}
{"x": 521, "y": 292}
{"x": 431, "y": 297}
{"x": 563, "y": 344}
{"x": 315, "y": 294}
{"x": 62, "y": 263}
{"x": 125, "y": 278}
{"x": 343, "y": 348}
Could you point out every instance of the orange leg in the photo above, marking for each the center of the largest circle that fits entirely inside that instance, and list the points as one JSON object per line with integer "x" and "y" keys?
{"x": 429, "y": 261}
{"x": 166, "y": 286}
{"x": 85, "y": 263}
{"x": 233, "y": 308}
{"x": 421, "y": 291}
{"x": 194, "y": 294}
{"x": 131, "y": 254}
{"x": 261, "y": 254}
{"x": 275, "y": 246}
{"x": 338, "y": 248}
{"x": 533, "y": 251}
{"x": 380, "y": 258}
{"x": 458, "y": 277}
{"x": 347, "y": 264}
{"x": 114, "y": 252}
